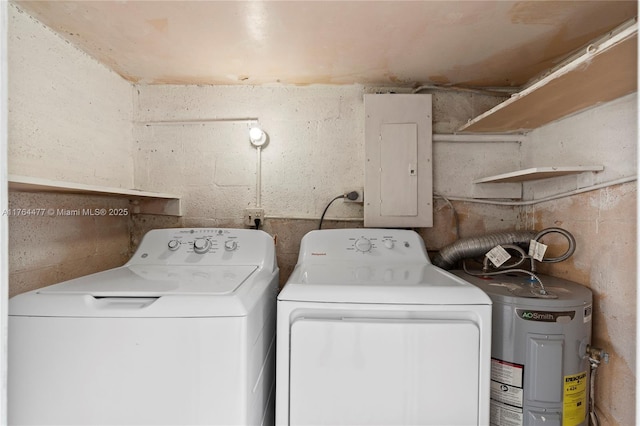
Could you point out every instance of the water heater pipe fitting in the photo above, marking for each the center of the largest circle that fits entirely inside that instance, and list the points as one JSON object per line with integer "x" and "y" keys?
{"x": 598, "y": 354}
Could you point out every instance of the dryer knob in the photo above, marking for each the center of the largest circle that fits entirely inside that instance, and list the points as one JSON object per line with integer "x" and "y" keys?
{"x": 174, "y": 245}
{"x": 230, "y": 245}
{"x": 388, "y": 244}
{"x": 201, "y": 245}
{"x": 363, "y": 245}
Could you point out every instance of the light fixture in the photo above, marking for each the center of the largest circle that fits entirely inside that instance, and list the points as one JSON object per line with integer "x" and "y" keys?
{"x": 257, "y": 136}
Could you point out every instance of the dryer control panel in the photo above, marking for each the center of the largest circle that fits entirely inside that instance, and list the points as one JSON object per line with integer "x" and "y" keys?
{"x": 204, "y": 246}
{"x": 362, "y": 245}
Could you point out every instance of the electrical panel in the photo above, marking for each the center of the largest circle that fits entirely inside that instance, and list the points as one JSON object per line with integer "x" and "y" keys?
{"x": 398, "y": 154}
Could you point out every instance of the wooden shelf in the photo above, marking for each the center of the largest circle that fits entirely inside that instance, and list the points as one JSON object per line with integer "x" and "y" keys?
{"x": 604, "y": 71}
{"x": 537, "y": 173}
{"x": 144, "y": 202}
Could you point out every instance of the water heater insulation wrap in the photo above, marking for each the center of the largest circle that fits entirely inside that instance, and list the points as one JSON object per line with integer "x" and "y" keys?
{"x": 539, "y": 367}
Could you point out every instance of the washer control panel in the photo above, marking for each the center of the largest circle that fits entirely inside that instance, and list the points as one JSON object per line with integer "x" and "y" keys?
{"x": 207, "y": 246}
{"x": 362, "y": 244}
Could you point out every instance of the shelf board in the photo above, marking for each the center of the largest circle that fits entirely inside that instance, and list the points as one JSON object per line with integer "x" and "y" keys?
{"x": 605, "y": 71}
{"x": 536, "y": 173}
{"x": 145, "y": 202}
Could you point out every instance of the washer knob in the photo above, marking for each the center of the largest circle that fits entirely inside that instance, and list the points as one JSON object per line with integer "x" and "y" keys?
{"x": 388, "y": 244}
{"x": 230, "y": 245}
{"x": 363, "y": 245}
{"x": 201, "y": 245}
{"x": 174, "y": 245}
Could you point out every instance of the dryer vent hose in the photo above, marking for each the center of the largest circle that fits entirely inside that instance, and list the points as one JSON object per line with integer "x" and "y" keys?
{"x": 464, "y": 248}
{"x": 479, "y": 246}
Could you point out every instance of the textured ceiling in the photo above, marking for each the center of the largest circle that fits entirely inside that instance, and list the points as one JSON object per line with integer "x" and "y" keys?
{"x": 472, "y": 43}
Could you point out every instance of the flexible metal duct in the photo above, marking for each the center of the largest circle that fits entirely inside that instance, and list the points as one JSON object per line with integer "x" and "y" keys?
{"x": 478, "y": 246}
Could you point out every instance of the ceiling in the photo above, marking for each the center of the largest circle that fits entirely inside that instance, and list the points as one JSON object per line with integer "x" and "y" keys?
{"x": 387, "y": 43}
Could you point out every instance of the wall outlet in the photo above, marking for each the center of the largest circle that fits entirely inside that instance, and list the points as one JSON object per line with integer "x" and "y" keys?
{"x": 360, "y": 198}
{"x": 250, "y": 215}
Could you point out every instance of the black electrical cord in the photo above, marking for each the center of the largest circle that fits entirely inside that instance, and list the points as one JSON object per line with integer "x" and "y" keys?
{"x": 327, "y": 208}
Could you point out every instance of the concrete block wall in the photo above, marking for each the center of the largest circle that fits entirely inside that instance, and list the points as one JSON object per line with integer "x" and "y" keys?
{"x": 49, "y": 248}
{"x": 604, "y": 225}
{"x": 315, "y": 152}
{"x": 69, "y": 120}
{"x": 69, "y": 116}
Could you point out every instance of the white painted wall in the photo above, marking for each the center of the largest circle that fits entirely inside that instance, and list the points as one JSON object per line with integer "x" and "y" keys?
{"x": 606, "y": 135}
{"x": 69, "y": 116}
{"x": 460, "y": 163}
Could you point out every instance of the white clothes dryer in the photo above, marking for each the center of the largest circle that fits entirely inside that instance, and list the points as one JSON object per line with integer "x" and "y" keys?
{"x": 370, "y": 333}
{"x": 182, "y": 334}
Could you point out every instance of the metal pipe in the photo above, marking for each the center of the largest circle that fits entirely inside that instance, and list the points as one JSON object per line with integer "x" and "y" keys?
{"x": 543, "y": 293}
{"x": 259, "y": 177}
{"x": 593, "y": 417}
{"x": 596, "y": 355}
{"x": 549, "y": 198}
{"x": 570, "y": 250}
{"x": 197, "y": 121}
{"x": 443, "y": 137}
{"x": 496, "y": 91}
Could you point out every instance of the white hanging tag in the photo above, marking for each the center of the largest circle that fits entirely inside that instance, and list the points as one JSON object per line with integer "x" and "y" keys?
{"x": 537, "y": 250}
{"x": 498, "y": 255}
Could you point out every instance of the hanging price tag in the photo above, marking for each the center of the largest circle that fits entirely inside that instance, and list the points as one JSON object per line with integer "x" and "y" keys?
{"x": 498, "y": 255}
{"x": 537, "y": 250}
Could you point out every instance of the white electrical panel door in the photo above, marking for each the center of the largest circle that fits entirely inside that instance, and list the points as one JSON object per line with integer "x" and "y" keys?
{"x": 399, "y": 148}
{"x": 398, "y": 172}
{"x": 369, "y": 371}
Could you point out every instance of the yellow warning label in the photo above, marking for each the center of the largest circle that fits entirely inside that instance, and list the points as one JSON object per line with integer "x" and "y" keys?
{"x": 574, "y": 406}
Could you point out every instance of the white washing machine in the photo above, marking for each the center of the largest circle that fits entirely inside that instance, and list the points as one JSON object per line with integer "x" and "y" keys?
{"x": 182, "y": 334}
{"x": 370, "y": 333}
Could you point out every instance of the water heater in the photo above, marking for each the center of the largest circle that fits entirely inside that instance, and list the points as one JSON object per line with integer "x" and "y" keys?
{"x": 539, "y": 362}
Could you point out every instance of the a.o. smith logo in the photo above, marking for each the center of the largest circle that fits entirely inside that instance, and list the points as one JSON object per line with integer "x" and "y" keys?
{"x": 545, "y": 316}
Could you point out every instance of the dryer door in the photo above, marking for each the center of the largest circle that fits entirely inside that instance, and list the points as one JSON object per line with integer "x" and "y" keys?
{"x": 360, "y": 371}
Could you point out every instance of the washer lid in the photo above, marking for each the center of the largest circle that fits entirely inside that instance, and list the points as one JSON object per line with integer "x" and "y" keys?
{"x": 149, "y": 291}
{"x": 156, "y": 281}
{"x": 417, "y": 284}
